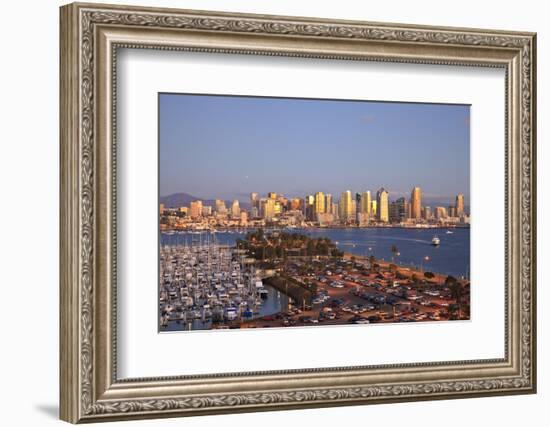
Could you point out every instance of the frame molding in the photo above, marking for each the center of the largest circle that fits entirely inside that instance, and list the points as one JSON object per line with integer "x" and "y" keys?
{"x": 90, "y": 37}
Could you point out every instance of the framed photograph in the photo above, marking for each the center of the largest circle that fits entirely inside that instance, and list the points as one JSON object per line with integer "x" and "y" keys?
{"x": 267, "y": 213}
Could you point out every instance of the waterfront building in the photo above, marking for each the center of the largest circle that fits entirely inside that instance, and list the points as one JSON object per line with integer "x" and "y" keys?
{"x": 296, "y": 204}
{"x": 382, "y": 198}
{"x": 328, "y": 203}
{"x": 427, "y": 212}
{"x": 394, "y": 212}
{"x": 309, "y": 208}
{"x": 366, "y": 203}
{"x": 335, "y": 210}
{"x": 196, "y": 208}
{"x": 184, "y": 210}
{"x": 220, "y": 206}
{"x": 254, "y": 201}
{"x": 206, "y": 210}
{"x": 440, "y": 212}
{"x": 459, "y": 205}
{"x": 325, "y": 218}
{"x": 319, "y": 203}
{"x": 399, "y": 210}
{"x": 268, "y": 209}
{"x": 354, "y": 209}
{"x": 278, "y": 207}
{"x": 162, "y": 208}
{"x": 345, "y": 207}
{"x": 235, "y": 209}
{"x": 452, "y": 211}
{"x": 363, "y": 219}
{"x": 255, "y": 212}
{"x": 244, "y": 218}
{"x": 416, "y": 203}
{"x": 374, "y": 209}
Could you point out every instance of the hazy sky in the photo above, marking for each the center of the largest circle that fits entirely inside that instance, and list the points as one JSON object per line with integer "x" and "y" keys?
{"x": 228, "y": 146}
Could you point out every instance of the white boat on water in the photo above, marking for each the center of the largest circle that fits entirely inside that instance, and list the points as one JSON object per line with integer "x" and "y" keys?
{"x": 436, "y": 241}
{"x": 448, "y": 232}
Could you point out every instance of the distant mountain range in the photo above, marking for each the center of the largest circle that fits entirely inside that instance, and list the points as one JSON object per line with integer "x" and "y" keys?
{"x": 184, "y": 199}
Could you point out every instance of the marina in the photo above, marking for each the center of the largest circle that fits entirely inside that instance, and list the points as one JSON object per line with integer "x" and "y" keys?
{"x": 207, "y": 285}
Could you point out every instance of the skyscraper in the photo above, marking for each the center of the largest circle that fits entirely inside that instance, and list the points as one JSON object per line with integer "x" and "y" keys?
{"x": 269, "y": 209}
{"x": 309, "y": 207}
{"x": 345, "y": 207}
{"x": 440, "y": 212}
{"x": 319, "y": 203}
{"x": 328, "y": 203}
{"x": 196, "y": 208}
{"x": 399, "y": 210}
{"x": 220, "y": 206}
{"x": 459, "y": 205}
{"x": 382, "y": 197}
{"x": 427, "y": 212}
{"x": 254, "y": 201}
{"x": 416, "y": 203}
{"x": 366, "y": 203}
{"x": 235, "y": 209}
{"x": 295, "y": 204}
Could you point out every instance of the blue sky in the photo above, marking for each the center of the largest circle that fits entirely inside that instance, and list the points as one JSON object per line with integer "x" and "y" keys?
{"x": 228, "y": 146}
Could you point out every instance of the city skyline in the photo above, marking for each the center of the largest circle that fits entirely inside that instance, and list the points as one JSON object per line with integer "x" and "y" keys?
{"x": 221, "y": 147}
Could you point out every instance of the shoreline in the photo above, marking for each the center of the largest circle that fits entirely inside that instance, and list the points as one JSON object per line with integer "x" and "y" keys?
{"x": 332, "y": 227}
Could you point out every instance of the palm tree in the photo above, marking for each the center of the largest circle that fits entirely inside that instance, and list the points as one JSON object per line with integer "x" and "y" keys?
{"x": 456, "y": 292}
{"x": 372, "y": 260}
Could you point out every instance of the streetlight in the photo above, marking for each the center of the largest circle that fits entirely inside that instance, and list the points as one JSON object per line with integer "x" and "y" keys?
{"x": 426, "y": 258}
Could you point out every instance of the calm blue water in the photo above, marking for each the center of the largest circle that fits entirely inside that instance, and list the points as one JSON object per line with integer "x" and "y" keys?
{"x": 274, "y": 303}
{"x": 452, "y": 256}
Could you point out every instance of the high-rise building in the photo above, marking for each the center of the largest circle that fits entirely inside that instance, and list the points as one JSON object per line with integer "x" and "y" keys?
{"x": 382, "y": 198}
{"x": 452, "y": 211}
{"x": 296, "y": 204}
{"x": 366, "y": 203}
{"x": 269, "y": 209}
{"x": 328, "y": 203}
{"x": 345, "y": 207}
{"x": 335, "y": 210}
{"x": 319, "y": 203}
{"x": 220, "y": 206}
{"x": 440, "y": 212}
{"x": 235, "y": 209}
{"x": 309, "y": 207}
{"x": 272, "y": 195}
{"x": 394, "y": 212}
{"x": 244, "y": 217}
{"x": 196, "y": 208}
{"x": 206, "y": 210}
{"x": 161, "y": 208}
{"x": 254, "y": 201}
{"x": 427, "y": 212}
{"x": 459, "y": 204}
{"x": 399, "y": 210}
{"x": 416, "y": 203}
{"x": 374, "y": 209}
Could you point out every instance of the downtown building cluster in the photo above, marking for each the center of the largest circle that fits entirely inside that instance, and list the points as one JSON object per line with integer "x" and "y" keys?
{"x": 319, "y": 209}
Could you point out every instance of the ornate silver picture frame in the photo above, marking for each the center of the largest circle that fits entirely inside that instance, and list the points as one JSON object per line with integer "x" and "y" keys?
{"x": 91, "y": 390}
